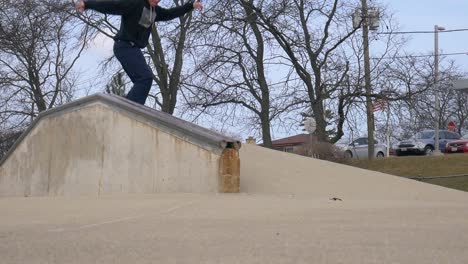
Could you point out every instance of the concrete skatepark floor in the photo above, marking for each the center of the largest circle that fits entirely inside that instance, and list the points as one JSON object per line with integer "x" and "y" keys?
{"x": 284, "y": 215}
{"x": 190, "y": 228}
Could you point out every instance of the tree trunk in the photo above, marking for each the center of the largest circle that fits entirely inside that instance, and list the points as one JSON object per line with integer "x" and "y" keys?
{"x": 319, "y": 115}
{"x": 266, "y": 134}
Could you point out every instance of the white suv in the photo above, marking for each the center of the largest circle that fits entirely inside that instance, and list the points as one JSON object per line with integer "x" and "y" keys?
{"x": 358, "y": 149}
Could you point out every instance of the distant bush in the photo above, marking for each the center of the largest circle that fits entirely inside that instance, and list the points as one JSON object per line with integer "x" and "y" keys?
{"x": 324, "y": 151}
{"x": 7, "y": 139}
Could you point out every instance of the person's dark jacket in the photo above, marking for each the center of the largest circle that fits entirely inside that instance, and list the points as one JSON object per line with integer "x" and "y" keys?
{"x": 137, "y": 17}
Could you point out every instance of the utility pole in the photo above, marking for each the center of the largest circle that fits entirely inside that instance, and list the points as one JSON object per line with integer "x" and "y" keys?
{"x": 436, "y": 88}
{"x": 368, "y": 85}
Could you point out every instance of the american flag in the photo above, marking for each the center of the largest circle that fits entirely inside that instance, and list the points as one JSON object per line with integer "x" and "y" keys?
{"x": 379, "y": 105}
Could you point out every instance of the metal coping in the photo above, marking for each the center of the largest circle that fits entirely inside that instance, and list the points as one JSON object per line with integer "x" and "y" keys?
{"x": 197, "y": 134}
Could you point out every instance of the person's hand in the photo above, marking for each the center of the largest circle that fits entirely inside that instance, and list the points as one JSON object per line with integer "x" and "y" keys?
{"x": 198, "y": 5}
{"x": 80, "y": 6}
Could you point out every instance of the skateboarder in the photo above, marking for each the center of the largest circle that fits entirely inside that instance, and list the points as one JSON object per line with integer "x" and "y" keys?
{"x": 137, "y": 19}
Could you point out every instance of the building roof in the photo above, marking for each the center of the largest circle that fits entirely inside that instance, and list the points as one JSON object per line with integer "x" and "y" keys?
{"x": 293, "y": 140}
{"x": 168, "y": 123}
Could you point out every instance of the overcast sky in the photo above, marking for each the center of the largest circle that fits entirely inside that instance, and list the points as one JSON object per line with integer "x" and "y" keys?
{"x": 419, "y": 15}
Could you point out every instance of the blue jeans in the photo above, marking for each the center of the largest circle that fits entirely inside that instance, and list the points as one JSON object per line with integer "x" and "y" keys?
{"x": 134, "y": 64}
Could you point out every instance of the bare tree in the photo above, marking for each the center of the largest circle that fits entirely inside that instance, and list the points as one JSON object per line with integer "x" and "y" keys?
{"x": 459, "y": 110}
{"x": 412, "y": 77}
{"x": 166, "y": 52}
{"x": 38, "y": 49}
{"x": 7, "y": 139}
{"x": 117, "y": 85}
{"x": 310, "y": 33}
{"x": 232, "y": 69}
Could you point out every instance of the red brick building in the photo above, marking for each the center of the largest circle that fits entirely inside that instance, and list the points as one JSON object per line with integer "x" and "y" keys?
{"x": 294, "y": 144}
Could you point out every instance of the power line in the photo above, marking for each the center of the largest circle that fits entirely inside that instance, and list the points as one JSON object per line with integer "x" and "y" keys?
{"x": 421, "y": 56}
{"x": 422, "y": 32}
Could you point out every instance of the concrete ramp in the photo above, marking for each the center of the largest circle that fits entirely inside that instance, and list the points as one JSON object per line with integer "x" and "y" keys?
{"x": 284, "y": 214}
{"x": 265, "y": 171}
{"x": 104, "y": 144}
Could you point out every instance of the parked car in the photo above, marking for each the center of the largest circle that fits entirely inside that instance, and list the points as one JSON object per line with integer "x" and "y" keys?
{"x": 424, "y": 142}
{"x": 359, "y": 149}
{"x": 458, "y": 146}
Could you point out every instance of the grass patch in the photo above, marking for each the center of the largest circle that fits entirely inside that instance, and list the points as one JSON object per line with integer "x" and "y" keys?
{"x": 454, "y": 183}
{"x": 423, "y": 166}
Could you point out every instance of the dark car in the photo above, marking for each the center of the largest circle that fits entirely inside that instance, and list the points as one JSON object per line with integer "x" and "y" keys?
{"x": 424, "y": 142}
{"x": 458, "y": 146}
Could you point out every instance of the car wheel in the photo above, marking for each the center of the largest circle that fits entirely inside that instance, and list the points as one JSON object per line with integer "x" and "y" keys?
{"x": 348, "y": 154}
{"x": 380, "y": 155}
{"x": 428, "y": 150}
